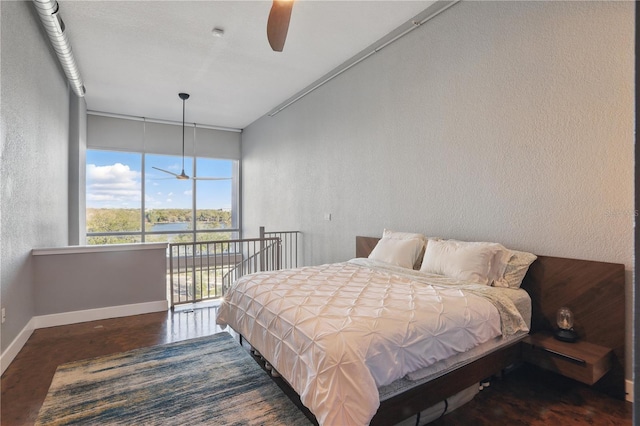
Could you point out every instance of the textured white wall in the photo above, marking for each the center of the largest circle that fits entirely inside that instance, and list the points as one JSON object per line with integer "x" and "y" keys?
{"x": 34, "y": 113}
{"x": 501, "y": 121}
{"x": 77, "y": 170}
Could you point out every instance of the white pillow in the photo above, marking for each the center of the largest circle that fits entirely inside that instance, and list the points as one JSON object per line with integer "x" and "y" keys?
{"x": 476, "y": 262}
{"x": 399, "y": 248}
{"x": 498, "y": 263}
{"x": 516, "y": 269}
{"x": 387, "y": 233}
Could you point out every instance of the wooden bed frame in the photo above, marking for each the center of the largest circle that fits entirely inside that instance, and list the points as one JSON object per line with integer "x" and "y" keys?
{"x": 594, "y": 291}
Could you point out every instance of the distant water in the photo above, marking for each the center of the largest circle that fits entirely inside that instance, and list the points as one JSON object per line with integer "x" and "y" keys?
{"x": 178, "y": 226}
{"x": 173, "y": 226}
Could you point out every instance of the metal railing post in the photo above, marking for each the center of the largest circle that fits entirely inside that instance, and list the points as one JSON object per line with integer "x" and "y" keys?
{"x": 261, "y": 248}
{"x": 171, "y": 274}
{"x": 193, "y": 271}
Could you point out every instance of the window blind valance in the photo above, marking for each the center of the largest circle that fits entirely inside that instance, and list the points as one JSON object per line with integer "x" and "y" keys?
{"x": 122, "y": 134}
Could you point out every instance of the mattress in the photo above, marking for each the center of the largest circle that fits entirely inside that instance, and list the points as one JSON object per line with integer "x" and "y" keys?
{"x": 338, "y": 332}
{"x": 521, "y": 301}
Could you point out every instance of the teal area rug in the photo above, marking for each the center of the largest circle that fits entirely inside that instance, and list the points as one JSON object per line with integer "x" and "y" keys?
{"x": 210, "y": 380}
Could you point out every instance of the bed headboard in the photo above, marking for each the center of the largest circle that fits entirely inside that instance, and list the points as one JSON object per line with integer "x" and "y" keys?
{"x": 594, "y": 291}
{"x": 364, "y": 245}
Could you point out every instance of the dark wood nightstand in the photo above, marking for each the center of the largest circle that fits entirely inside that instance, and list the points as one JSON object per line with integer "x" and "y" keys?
{"x": 582, "y": 361}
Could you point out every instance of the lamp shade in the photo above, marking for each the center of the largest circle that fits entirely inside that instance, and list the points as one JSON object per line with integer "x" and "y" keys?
{"x": 565, "y": 332}
{"x": 564, "y": 318}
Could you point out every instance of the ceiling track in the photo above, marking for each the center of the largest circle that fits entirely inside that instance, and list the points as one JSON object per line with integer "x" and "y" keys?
{"x": 49, "y": 13}
{"x": 159, "y": 121}
{"x": 429, "y": 13}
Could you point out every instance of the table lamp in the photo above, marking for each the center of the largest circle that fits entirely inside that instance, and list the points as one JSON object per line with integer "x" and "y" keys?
{"x": 565, "y": 332}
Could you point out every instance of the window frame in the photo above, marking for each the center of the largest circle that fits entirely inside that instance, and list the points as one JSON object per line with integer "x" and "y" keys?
{"x": 235, "y": 230}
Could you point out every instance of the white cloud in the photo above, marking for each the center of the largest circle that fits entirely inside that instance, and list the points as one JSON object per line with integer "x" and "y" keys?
{"x": 115, "y": 184}
{"x": 188, "y": 192}
{"x": 115, "y": 172}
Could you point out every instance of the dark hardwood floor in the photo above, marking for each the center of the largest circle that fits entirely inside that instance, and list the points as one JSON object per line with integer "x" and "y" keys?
{"x": 530, "y": 396}
{"x": 526, "y": 396}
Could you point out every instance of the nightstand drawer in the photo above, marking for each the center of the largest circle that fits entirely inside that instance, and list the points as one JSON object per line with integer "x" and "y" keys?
{"x": 582, "y": 361}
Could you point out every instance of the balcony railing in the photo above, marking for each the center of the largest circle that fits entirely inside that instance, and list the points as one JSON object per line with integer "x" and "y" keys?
{"x": 205, "y": 270}
{"x": 289, "y": 242}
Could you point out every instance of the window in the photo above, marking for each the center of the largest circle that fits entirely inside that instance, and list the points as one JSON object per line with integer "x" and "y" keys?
{"x": 214, "y": 199}
{"x": 114, "y": 194}
{"x": 128, "y": 200}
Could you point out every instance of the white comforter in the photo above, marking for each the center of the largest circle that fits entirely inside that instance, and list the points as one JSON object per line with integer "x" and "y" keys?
{"x": 336, "y": 332}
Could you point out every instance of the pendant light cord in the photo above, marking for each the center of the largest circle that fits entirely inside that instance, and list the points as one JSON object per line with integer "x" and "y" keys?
{"x": 183, "y": 135}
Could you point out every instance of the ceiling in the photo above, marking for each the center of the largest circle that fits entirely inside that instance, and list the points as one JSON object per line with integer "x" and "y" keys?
{"x": 136, "y": 56}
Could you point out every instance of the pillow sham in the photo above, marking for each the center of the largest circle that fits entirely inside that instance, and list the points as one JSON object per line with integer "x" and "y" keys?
{"x": 516, "y": 269}
{"x": 403, "y": 249}
{"x": 499, "y": 262}
{"x": 409, "y": 236}
{"x": 477, "y": 262}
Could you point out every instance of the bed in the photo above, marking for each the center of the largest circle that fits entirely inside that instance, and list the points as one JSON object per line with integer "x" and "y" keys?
{"x": 332, "y": 350}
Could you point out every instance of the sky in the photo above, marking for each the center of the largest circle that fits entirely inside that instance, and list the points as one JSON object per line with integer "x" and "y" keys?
{"x": 114, "y": 180}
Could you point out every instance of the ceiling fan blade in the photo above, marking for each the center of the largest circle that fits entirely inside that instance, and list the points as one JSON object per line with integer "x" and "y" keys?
{"x": 181, "y": 176}
{"x": 278, "y": 23}
{"x": 210, "y": 178}
{"x": 166, "y": 171}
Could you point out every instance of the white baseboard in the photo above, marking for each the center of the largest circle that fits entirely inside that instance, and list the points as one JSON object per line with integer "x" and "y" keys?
{"x": 628, "y": 388}
{"x": 66, "y": 318}
{"x": 12, "y": 350}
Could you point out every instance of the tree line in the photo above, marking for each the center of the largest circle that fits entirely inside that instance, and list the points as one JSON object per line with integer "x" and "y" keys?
{"x": 115, "y": 220}
{"x": 184, "y": 215}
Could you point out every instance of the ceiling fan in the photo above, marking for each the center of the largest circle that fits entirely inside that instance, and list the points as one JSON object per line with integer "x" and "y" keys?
{"x": 183, "y": 175}
{"x": 278, "y": 23}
